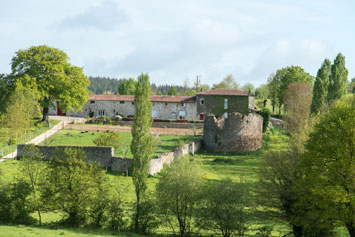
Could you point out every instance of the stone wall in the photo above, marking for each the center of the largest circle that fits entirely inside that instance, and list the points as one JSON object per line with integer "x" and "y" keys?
{"x": 166, "y": 158}
{"x": 236, "y": 133}
{"x": 104, "y": 156}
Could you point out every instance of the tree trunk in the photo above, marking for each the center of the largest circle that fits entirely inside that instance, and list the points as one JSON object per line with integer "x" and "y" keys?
{"x": 45, "y": 115}
{"x": 351, "y": 229}
{"x": 136, "y": 225}
{"x": 297, "y": 231}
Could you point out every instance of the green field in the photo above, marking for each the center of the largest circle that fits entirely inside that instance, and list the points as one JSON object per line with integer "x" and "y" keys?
{"x": 163, "y": 143}
{"x": 215, "y": 166}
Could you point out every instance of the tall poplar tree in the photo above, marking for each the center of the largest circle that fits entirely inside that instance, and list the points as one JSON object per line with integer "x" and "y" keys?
{"x": 320, "y": 89}
{"x": 142, "y": 141}
{"x": 338, "y": 79}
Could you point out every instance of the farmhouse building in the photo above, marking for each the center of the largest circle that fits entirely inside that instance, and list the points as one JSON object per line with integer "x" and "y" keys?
{"x": 218, "y": 102}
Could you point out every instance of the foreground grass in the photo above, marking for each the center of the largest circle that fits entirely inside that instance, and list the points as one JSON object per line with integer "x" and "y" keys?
{"x": 21, "y": 230}
{"x": 83, "y": 138}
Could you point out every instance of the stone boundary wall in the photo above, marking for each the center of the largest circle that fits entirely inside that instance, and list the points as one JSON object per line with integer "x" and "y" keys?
{"x": 236, "y": 133}
{"x": 104, "y": 156}
{"x": 153, "y": 131}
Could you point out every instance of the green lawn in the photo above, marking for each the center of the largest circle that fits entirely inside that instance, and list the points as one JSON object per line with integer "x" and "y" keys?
{"x": 36, "y": 130}
{"x": 215, "y": 165}
{"x": 82, "y": 138}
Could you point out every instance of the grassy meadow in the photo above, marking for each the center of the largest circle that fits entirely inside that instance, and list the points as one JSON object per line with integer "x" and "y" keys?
{"x": 216, "y": 166}
{"x": 162, "y": 144}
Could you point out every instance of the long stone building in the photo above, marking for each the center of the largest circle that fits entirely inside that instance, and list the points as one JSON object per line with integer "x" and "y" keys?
{"x": 218, "y": 102}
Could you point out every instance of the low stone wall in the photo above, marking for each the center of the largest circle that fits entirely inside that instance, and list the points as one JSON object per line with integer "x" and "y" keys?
{"x": 104, "y": 156}
{"x": 236, "y": 133}
{"x": 166, "y": 158}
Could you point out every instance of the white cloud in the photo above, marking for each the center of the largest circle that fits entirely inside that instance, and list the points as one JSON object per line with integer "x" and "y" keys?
{"x": 105, "y": 16}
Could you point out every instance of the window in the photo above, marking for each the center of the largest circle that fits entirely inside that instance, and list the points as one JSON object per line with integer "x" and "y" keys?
{"x": 166, "y": 104}
{"x": 173, "y": 115}
{"x": 182, "y": 114}
{"x": 121, "y": 102}
{"x": 182, "y": 104}
{"x": 225, "y": 103}
{"x": 114, "y": 111}
{"x": 202, "y": 102}
{"x": 92, "y": 101}
{"x": 101, "y": 113}
{"x": 154, "y": 114}
{"x": 133, "y": 103}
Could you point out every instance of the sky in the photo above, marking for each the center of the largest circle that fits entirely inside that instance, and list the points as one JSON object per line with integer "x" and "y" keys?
{"x": 175, "y": 41}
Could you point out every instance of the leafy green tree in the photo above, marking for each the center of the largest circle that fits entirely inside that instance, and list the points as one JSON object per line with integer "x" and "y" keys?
{"x": 273, "y": 84}
{"x": 142, "y": 141}
{"x": 266, "y": 114}
{"x": 111, "y": 139}
{"x": 14, "y": 205}
{"x": 262, "y": 92}
{"x": 224, "y": 208}
{"x": 248, "y": 88}
{"x": 178, "y": 193}
{"x": 298, "y": 99}
{"x": 285, "y": 77}
{"x": 127, "y": 87}
{"x": 329, "y": 161}
{"x": 20, "y": 110}
{"x": 70, "y": 184}
{"x": 338, "y": 79}
{"x": 320, "y": 88}
{"x": 32, "y": 167}
{"x": 351, "y": 87}
{"x": 172, "y": 91}
{"x": 227, "y": 82}
{"x": 51, "y": 77}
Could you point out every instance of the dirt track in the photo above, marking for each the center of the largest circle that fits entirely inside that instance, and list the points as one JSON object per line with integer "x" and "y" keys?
{"x": 126, "y": 129}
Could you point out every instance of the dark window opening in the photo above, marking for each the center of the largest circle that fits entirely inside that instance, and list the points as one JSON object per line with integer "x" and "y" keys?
{"x": 92, "y": 101}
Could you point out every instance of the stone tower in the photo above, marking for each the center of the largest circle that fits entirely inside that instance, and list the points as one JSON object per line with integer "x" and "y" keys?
{"x": 236, "y": 133}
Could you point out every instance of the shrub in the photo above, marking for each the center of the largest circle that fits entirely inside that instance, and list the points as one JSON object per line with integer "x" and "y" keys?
{"x": 148, "y": 217}
{"x": 70, "y": 184}
{"x": 115, "y": 214}
{"x": 224, "y": 203}
{"x": 14, "y": 205}
{"x": 266, "y": 114}
{"x": 111, "y": 139}
{"x": 178, "y": 193}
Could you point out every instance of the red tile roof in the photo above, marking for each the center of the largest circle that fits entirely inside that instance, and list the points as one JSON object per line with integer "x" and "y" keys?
{"x": 223, "y": 91}
{"x": 153, "y": 98}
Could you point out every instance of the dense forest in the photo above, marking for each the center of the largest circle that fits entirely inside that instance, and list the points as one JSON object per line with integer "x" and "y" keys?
{"x": 107, "y": 85}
